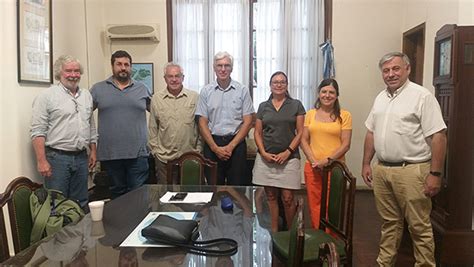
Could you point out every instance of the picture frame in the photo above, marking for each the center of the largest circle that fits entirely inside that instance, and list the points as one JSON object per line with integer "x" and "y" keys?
{"x": 34, "y": 41}
{"x": 143, "y": 72}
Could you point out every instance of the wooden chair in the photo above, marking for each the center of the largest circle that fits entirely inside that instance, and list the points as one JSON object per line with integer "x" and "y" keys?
{"x": 338, "y": 217}
{"x": 335, "y": 222}
{"x": 292, "y": 248}
{"x": 17, "y": 198}
{"x": 191, "y": 169}
{"x": 328, "y": 255}
{"x": 289, "y": 245}
{"x": 458, "y": 248}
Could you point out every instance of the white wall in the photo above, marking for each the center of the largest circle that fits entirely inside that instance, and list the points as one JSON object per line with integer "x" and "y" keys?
{"x": 78, "y": 27}
{"x": 363, "y": 31}
{"x": 16, "y": 158}
{"x": 435, "y": 15}
{"x": 128, "y": 12}
{"x": 361, "y": 35}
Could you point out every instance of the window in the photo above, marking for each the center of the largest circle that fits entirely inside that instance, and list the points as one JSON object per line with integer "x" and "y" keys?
{"x": 263, "y": 36}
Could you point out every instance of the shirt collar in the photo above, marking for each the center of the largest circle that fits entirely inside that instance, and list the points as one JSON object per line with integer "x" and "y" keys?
{"x": 398, "y": 91}
{"x": 231, "y": 86}
{"x": 78, "y": 91}
{"x": 110, "y": 80}
{"x": 166, "y": 94}
{"x": 271, "y": 97}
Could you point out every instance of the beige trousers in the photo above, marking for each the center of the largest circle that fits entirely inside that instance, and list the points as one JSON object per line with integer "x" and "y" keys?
{"x": 160, "y": 172}
{"x": 399, "y": 195}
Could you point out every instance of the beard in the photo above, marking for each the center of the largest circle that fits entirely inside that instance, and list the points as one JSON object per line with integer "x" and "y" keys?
{"x": 122, "y": 76}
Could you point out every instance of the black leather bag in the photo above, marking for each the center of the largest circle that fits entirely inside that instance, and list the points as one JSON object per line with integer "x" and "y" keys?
{"x": 183, "y": 233}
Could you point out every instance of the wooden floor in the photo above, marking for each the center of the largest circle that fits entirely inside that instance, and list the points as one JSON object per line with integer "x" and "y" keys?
{"x": 366, "y": 234}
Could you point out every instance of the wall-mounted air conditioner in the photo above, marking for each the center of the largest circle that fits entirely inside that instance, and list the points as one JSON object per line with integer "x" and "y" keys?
{"x": 150, "y": 32}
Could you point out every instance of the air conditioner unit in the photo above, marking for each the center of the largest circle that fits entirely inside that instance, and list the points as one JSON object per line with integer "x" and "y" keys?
{"x": 150, "y": 32}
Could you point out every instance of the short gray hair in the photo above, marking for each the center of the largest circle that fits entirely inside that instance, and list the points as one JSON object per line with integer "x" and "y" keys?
{"x": 59, "y": 63}
{"x": 391, "y": 55}
{"x": 222, "y": 55}
{"x": 172, "y": 64}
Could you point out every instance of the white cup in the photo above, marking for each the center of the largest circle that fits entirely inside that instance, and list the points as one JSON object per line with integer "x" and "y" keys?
{"x": 97, "y": 210}
{"x": 97, "y": 229}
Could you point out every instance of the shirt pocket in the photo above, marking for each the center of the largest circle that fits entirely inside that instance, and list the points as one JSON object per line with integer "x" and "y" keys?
{"x": 186, "y": 113}
{"x": 406, "y": 124}
{"x": 237, "y": 106}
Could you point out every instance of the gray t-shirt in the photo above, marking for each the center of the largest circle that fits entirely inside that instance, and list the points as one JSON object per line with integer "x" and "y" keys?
{"x": 122, "y": 120}
{"x": 279, "y": 127}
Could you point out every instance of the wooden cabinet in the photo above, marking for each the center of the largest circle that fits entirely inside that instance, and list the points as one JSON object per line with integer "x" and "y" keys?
{"x": 454, "y": 87}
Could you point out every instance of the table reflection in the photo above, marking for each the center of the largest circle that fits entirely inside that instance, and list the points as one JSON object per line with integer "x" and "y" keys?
{"x": 98, "y": 243}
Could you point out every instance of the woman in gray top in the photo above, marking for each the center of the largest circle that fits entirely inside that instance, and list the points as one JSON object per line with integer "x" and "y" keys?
{"x": 278, "y": 131}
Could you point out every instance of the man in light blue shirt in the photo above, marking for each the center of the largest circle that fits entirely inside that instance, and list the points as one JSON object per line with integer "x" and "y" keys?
{"x": 225, "y": 113}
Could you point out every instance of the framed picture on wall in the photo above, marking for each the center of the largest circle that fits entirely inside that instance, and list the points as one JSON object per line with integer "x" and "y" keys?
{"x": 34, "y": 41}
{"x": 143, "y": 72}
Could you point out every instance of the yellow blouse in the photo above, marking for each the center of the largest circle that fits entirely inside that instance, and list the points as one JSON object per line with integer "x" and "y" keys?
{"x": 325, "y": 137}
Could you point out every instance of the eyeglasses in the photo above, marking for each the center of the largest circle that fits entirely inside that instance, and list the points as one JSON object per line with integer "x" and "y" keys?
{"x": 223, "y": 66}
{"x": 279, "y": 82}
{"x": 177, "y": 76}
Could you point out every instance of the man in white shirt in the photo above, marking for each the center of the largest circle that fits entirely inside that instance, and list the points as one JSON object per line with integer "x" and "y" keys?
{"x": 406, "y": 132}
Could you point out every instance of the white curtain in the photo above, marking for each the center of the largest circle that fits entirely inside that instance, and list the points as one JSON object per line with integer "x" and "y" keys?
{"x": 287, "y": 34}
{"x": 269, "y": 56}
{"x": 288, "y": 37}
{"x": 201, "y": 28}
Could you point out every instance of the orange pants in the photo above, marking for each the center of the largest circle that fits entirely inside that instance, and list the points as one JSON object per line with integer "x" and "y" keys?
{"x": 314, "y": 184}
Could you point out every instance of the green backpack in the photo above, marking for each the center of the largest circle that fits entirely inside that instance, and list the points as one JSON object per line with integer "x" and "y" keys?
{"x": 50, "y": 211}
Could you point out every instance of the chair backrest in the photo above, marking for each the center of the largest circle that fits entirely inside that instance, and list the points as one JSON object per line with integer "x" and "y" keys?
{"x": 328, "y": 255}
{"x": 296, "y": 249}
{"x": 17, "y": 198}
{"x": 339, "y": 192}
{"x": 191, "y": 168}
{"x": 458, "y": 247}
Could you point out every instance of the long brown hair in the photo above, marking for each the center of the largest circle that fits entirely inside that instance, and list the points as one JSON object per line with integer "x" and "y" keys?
{"x": 336, "y": 112}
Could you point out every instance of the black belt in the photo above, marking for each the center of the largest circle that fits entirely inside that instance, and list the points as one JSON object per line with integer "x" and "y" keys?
{"x": 399, "y": 164}
{"x": 66, "y": 152}
{"x": 225, "y": 138}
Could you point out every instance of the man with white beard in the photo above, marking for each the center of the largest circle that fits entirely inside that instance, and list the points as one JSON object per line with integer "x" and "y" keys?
{"x": 63, "y": 131}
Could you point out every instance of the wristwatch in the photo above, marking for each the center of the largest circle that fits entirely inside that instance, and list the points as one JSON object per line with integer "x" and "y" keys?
{"x": 438, "y": 174}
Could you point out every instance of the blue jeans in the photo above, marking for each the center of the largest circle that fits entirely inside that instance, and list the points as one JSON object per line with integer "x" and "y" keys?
{"x": 126, "y": 174}
{"x": 69, "y": 175}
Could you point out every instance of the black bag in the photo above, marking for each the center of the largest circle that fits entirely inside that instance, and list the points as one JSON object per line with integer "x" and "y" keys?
{"x": 183, "y": 233}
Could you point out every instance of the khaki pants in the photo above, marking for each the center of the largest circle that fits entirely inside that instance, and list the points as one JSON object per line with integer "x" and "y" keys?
{"x": 399, "y": 195}
{"x": 160, "y": 172}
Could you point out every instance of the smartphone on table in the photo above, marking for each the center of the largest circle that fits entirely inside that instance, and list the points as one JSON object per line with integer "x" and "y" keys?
{"x": 178, "y": 196}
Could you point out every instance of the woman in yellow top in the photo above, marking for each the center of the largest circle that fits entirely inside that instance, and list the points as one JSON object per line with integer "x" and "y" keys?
{"x": 326, "y": 135}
